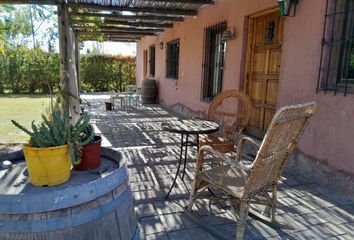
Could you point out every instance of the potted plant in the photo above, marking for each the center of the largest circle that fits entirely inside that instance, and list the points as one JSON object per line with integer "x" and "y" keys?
{"x": 91, "y": 152}
{"x": 53, "y": 145}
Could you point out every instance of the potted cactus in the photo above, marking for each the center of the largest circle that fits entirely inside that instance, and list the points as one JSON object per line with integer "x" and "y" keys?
{"x": 91, "y": 152}
{"x": 53, "y": 145}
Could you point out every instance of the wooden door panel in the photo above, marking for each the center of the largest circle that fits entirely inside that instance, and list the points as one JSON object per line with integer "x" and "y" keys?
{"x": 268, "y": 116}
{"x": 260, "y": 62}
{"x": 257, "y": 90}
{"x": 255, "y": 120}
{"x": 274, "y": 61}
{"x": 260, "y": 33}
{"x": 264, "y": 58}
{"x": 272, "y": 92}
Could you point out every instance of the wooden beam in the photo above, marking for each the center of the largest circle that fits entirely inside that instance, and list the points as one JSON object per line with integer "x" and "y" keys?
{"x": 140, "y": 24}
{"x": 114, "y": 35}
{"x": 183, "y": 1}
{"x": 108, "y": 39}
{"x": 35, "y": 2}
{"x": 138, "y": 33}
{"x": 173, "y": 11}
{"x": 125, "y": 23}
{"x": 113, "y": 16}
{"x": 121, "y": 29}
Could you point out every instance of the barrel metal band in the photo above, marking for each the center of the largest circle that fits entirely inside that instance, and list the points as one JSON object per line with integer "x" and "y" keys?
{"x": 53, "y": 224}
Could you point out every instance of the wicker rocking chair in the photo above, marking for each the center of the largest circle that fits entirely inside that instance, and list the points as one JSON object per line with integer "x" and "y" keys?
{"x": 232, "y": 122}
{"x": 255, "y": 184}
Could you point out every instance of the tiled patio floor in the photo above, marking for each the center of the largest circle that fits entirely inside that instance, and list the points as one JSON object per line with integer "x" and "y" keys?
{"x": 312, "y": 211}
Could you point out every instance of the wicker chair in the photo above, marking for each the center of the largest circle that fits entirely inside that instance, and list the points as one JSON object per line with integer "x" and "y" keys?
{"x": 233, "y": 122}
{"x": 256, "y": 183}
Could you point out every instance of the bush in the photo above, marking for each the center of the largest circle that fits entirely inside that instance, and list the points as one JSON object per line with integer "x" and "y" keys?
{"x": 25, "y": 70}
{"x": 107, "y": 73}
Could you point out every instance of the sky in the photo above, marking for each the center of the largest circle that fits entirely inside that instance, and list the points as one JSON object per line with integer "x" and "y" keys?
{"x": 112, "y": 48}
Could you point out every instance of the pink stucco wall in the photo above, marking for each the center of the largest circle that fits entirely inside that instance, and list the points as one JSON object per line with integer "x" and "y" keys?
{"x": 329, "y": 136}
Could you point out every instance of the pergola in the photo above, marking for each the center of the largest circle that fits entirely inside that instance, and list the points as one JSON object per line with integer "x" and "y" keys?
{"x": 107, "y": 20}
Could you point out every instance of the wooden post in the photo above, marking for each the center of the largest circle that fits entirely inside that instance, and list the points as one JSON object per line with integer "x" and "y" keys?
{"x": 68, "y": 78}
{"x": 77, "y": 58}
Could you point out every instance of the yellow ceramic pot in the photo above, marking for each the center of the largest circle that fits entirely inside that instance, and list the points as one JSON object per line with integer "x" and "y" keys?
{"x": 48, "y": 166}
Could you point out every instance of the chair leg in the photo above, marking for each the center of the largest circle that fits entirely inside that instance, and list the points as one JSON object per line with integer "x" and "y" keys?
{"x": 274, "y": 203}
{"x": 241, "y": 223}
{"x": 191, "y": 198}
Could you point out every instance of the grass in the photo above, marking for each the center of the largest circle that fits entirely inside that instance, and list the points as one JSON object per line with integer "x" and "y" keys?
{"x": 22, "y": 108}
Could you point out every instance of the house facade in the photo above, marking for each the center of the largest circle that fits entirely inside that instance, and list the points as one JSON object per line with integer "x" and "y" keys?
{"x": 277, "y": 61}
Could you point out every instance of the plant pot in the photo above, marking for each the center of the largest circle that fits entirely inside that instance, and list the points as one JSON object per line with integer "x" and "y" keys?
{"x": 48, "y": 166}
{"x": 91, "y": 155}
{"x": 108, "y": 106}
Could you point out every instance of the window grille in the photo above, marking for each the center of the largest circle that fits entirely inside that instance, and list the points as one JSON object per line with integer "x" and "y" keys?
{"x": 152, "y": 61}
{"x": 213, "y": 61}
{"x": 172, "y": 60}
{"x": 336, "y": 71}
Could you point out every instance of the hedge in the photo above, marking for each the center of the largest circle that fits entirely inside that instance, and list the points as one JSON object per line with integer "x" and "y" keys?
{"x": 25, "y": 70}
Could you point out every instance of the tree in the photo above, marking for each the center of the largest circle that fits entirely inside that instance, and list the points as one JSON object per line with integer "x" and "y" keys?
{"x": 27, "y": 24}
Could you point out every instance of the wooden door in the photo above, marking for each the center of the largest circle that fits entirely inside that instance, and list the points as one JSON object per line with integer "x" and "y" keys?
{"x": 263, "y": 68}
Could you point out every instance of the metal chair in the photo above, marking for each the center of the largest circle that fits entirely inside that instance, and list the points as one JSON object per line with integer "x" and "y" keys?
{"x": 232, "y": 110}
{"x": 255, "y": 184}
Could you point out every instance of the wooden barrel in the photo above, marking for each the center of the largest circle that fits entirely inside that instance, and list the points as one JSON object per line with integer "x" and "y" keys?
{"x": 90, "y": 206}
{"x": 148, "y": 91}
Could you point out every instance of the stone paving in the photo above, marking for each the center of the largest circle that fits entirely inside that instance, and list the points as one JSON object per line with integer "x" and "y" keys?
{"x": 312, "y": 211}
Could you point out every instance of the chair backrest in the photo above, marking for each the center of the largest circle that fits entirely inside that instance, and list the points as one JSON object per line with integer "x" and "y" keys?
{"x": 283, "y": 134}
{"x": 130, "y": 88}
{"x": 232, "y": 110}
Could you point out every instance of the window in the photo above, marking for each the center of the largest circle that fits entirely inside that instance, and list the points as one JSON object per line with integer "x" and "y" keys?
{"x": 172, "y": 61}
{"x": 213, "y": 61}
{"x": 336, "y": 72}
{"x": 152, "y": 61}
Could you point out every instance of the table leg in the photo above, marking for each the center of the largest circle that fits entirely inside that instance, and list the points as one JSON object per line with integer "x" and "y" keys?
{"x": 185, "y": 157}
{"x": 179, "y": 165}
{"x": 197, "y": 144}
{"x": 112, "y": 102}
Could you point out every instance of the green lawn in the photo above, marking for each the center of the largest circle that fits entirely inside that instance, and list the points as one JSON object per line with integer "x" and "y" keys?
{"x": 22, "y": 108}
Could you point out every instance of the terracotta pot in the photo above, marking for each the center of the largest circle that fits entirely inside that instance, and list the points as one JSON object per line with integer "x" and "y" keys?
{"x": 91, "y": 155}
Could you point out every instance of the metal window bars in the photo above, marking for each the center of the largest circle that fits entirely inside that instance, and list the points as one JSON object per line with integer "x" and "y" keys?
{"x": 336, "y": 70}
{"x": 213, "y": 61}
{"x": 172, "y": 60}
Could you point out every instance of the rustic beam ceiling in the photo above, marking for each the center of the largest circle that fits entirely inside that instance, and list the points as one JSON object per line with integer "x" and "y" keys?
{"x": 149, "y": 17}
{"x": 129, "y": 17}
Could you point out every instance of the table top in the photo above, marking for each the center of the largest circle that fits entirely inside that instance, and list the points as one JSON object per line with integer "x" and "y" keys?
{"x": 121, "y": 95}
{"x": 190, "y": 126}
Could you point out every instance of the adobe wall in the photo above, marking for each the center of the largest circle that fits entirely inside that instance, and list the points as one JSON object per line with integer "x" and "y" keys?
{"x": 329, "y": 137}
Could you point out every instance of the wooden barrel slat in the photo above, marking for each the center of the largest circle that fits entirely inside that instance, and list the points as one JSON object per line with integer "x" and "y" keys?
{"x": 148, "y": 91}
{"x": 88, "y": 212}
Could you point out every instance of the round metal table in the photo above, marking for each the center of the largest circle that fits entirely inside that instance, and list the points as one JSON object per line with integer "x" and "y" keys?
{"x": 187, "y": 128}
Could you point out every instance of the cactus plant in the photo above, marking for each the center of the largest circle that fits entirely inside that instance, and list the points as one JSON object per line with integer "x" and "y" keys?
{"x": 59, "y": 131}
